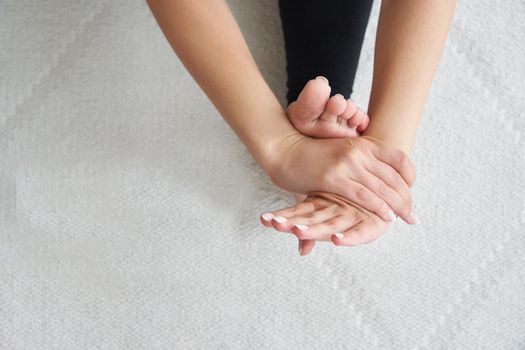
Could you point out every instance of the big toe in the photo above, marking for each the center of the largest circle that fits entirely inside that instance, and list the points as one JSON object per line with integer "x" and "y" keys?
{"x": 310, "y": 104}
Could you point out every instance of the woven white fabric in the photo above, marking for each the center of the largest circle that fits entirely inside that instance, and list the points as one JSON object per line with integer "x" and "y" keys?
{"x": 130, "y": 209}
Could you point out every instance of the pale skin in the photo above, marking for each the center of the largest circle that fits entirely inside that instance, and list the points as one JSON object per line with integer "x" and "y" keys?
{"x": 371, "y": 170}
{"x": 209, "y": 43}
{"x": 410, "y": 39}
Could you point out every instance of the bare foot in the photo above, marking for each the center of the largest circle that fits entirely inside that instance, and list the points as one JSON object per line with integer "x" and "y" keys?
{"x": 326, "y": 216}
{"x": 317, "y": 114}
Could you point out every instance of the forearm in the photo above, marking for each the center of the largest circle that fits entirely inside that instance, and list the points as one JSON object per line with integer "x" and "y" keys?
{"x": 209, "y": 43}
{"x": 410, "y": 38}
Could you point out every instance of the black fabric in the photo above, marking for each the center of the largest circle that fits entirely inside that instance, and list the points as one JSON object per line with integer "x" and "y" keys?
{"x": 323, "y": 37}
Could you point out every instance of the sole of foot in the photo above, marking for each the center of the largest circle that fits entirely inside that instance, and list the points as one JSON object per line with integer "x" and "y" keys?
{"x": 316, "y": 114}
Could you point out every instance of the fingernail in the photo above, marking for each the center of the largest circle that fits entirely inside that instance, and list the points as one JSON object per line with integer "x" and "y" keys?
{"x": 267, "y": 216}
{"x": 301, "y": 227}
{"x": 414, "y": 218}
{"x": 280, "y": 219}
{"x": 391, "y": 215}
{"x": 320, "y": 77}
{"x": 339, "y": 235}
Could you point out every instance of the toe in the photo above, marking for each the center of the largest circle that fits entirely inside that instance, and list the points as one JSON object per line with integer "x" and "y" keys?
{"x": 335, "y": 106}
{"x": 364, "y": 122}
{"x": 311, "y": 101}
{"x": 359, "y": 120}
{"x": 351, "y": 109}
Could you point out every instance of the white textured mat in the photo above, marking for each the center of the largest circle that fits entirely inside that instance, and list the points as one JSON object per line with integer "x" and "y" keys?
{"x": 129, "y": 209}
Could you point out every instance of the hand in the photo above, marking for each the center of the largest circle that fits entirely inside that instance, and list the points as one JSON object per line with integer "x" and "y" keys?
{"x": 361, "y": 169}
{"x": 325, "y": 216}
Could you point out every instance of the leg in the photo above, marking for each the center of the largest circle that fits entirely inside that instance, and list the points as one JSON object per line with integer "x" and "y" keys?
{"x": 323, "y": 38}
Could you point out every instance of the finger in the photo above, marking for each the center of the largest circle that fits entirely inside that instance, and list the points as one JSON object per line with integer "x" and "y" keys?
{"x": 306, "y": 246}
{"x": 266, "y": 219}
{"x": 297, "y": 209}
{"x": 364, "y": 197}
{"x": 387, "y": 193}
{"x": 397, "y": 159}
{"x": 324, "y": 230}
{"x": 361, "y": 233}
{"x": 285, "y": 224}
{"x": 280, "y": 223}
{"x": 318, "y": 215}
{"x": 391, "y": 177}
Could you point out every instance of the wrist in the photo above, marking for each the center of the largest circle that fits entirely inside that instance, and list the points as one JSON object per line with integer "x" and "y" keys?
{"x": 274, "y": 151}
{"x": 265, "y": 130}
{"x": 396, "y": 129}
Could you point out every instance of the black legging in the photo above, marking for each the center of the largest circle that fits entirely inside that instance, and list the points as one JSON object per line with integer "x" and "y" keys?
{"x": 323, "y": 37}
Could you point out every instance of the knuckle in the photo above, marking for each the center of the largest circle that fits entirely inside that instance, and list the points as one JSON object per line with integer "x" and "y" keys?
{"x": 325, "y": 178}
{"x": 385, "y": 209}
{"x": 337, "y": 168}
{"x": 396, "y": 180}
{"x": 349, "y": 154}
{"x": 382, "y": 188}
{"x": 362, "y": 193}
{"x": 401, "y": 158}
